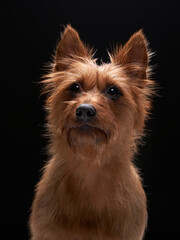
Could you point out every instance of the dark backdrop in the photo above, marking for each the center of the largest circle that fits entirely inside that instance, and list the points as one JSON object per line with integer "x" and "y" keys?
{"x": 30, "y": 32}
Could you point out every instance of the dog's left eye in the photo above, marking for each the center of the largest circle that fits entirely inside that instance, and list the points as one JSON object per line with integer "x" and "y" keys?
{"x": 113, "y": 92}
{"x": 75, "y": 88}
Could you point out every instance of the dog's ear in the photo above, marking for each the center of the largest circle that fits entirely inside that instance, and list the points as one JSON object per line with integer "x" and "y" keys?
{"x": 134, "y": 56}
{"x": 69, "y": 47}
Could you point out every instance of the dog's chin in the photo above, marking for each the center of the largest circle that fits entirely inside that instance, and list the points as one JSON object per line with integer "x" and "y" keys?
{"x": 86, "y": 135}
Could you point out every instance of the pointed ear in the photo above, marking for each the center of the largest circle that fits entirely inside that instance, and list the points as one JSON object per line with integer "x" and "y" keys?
{"x": 70, "y": 47}
{"x": 134, "y": 56}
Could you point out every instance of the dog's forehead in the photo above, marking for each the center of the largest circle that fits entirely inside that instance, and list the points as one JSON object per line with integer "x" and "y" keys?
{"x": 109, "y": 74}
{"x": 99, "y": 76}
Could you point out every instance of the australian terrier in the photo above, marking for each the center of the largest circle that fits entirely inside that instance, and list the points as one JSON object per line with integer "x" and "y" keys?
{"x": 90, "y": 188}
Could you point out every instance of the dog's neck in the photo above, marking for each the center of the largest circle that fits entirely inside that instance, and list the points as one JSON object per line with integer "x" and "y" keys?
{"x": 90, "y": 171}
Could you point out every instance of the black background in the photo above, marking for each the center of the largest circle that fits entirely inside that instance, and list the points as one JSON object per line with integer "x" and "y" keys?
{"x": 30, "y": 32}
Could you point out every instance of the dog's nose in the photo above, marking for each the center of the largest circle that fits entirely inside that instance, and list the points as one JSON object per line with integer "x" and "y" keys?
{"x": 85, "y": 112}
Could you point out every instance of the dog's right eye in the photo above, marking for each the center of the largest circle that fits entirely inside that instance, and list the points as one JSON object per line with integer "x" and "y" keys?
{"x": 75, "y": 88}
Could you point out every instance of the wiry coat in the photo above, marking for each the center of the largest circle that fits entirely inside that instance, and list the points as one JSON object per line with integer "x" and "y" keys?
{"x": 90, "y": 188}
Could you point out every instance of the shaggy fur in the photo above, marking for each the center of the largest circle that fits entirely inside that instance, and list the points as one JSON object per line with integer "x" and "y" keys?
{"x": 90, "y": 188}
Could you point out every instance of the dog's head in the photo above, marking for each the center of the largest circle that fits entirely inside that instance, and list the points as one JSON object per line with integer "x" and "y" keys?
{"x": 95, "y": 105}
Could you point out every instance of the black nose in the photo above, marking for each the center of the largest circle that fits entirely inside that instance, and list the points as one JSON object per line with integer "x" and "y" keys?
{"x": 85, "y": 112}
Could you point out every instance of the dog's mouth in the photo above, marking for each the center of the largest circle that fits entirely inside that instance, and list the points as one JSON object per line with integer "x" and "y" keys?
{"x": 87, "y": 127}
{"x": 85, "y": 133}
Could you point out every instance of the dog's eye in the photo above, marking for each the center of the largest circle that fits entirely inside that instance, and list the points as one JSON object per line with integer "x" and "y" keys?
{"x": 75, "y": 88}
{"x": 113, "y": 92}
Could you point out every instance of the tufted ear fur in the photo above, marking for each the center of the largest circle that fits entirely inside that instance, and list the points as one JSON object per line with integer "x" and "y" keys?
{"x": 69, "y": 47}
{"x": 134, "y": 56}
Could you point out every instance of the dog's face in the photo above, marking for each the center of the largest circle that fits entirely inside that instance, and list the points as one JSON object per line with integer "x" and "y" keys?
{"x": 97, "y": 105}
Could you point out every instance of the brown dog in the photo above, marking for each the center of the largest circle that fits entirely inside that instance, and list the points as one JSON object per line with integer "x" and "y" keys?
{"x": 90, "y": 188}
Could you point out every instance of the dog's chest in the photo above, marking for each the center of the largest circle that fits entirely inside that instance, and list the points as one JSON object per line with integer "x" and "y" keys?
{"x": 89, "y": 202}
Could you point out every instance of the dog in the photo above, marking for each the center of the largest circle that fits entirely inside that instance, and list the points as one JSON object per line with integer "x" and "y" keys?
{"x": 90, "y": 188}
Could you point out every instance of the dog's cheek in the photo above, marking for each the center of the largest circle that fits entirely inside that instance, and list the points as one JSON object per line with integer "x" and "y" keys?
{"x": 107, "y": 121}
{"x": 124, "y": 118}
{"x": 68, "y": 116}
{"x": 58, "y": 115}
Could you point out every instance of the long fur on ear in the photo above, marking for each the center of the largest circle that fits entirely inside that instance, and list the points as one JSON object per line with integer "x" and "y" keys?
{"x": 134, "y": 56}
{"x": 71, "y": 47}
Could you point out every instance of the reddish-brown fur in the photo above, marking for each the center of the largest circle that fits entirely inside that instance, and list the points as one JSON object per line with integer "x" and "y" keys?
{"x": 90, "y": 188}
